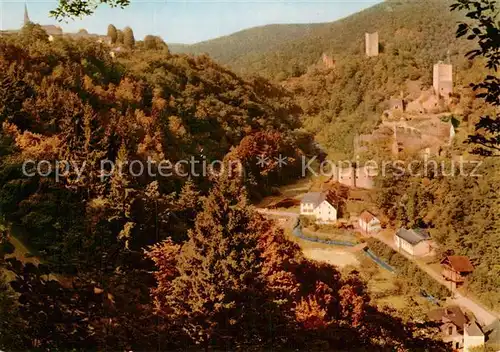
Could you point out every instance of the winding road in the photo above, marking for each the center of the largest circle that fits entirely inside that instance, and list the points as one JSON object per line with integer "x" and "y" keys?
{"x": 484, "y": 316}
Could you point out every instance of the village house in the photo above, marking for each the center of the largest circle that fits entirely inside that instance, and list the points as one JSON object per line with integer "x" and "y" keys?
{"x": 456, "y": 268}
{"x": 415, "y": 242}
{"x": 355, "y": 177}
{"x": 319, "y": 205}
{"x": 451, "y": 322}
{"x": 473, "y": 337}
{"x": 368, "y": 223}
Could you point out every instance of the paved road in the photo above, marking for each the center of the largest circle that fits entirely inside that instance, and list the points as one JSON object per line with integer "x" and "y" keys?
{"x": 483, "y": 315}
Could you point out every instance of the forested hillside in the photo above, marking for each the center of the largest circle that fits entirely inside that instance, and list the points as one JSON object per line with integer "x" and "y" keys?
{"x": 253, "y": 42}
{"x": 283, "y": 54}
{"x": 135, "y": 261}
{"x": 346, "y": 100}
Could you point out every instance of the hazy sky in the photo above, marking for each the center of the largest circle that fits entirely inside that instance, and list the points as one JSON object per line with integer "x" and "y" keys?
{"x": 186, "y": 21}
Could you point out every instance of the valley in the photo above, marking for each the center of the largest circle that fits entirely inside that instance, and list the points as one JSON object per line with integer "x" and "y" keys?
{"x": 286, "y": 187}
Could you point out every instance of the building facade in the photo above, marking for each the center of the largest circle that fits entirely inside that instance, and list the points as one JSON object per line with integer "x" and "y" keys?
{"x": 456, "y": 268}
{"x": 414, "y": 242}
{"x": 368, "y": 223}
{"x": 473, "y": 337}
{"x": 320, "y": 206}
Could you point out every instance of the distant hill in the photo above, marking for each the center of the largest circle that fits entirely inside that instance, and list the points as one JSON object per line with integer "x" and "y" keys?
{"x": 253, "y": 42}
{"x": 280, "y": 51}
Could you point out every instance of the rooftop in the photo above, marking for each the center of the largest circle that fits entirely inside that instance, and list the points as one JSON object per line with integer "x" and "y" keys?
{"x": 366, "y": 216}
{"x": 414, "y": 236}
{"x": 459, "y": 263}
{"x": 473, "y": 329}
{"x": 311, "y": 197}
{"x": 451, "y": 314}
{"x": 316, "y": 198}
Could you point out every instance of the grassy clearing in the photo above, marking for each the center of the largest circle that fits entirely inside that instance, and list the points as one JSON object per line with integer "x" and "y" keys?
{"x": 332, "y": 234}
{"x": 336, "y": 257}
{"x": 387, "y": 290}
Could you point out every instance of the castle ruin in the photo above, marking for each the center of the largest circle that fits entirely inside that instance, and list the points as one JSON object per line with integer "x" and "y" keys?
{"x": 354, "y": 177}
{"x": 443, "y": 79}
{"x": 371, "y": 44}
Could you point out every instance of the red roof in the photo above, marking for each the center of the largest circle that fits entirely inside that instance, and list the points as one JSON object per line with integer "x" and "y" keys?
{"x": 459, "y": 263}
{"x": 366, "y": 216}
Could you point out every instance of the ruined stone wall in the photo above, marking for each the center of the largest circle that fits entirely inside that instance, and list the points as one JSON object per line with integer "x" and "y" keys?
{"x": 371, "y": 43}
{"x": 443, "y": 79}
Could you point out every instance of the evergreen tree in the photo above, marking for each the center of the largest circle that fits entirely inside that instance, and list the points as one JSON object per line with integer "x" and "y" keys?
{"x": 119, "y": 37}
{"x": 112, "y": 33}
{"x": 150, "y": 42}
{"x": 215, "y": 293}
{"x": 128, "y": 37}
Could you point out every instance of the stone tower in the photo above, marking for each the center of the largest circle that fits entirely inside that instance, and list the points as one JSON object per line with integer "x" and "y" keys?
{"x": 371, "y": 44}
{"x": 26, "y": 17}
{"x": 443, "y": 79}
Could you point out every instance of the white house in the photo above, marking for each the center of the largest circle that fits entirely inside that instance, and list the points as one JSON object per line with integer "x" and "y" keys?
{"x": 319, "y": 205}
{"x": 415, "y": 242}
{"x": 369, "y": 222}
{"x": 309, "y": 202}
{"x": 473, "y": 336}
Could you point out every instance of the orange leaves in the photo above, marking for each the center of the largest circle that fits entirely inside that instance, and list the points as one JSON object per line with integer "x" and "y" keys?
{"x": 310, "y": 314}
{"x": 353, "y": 305}
{"x": 33, "y": 145}
{"x": 164, "y": 255}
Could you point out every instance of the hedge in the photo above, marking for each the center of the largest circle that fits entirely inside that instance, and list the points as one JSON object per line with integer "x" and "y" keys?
{"x": 407, "y": 270}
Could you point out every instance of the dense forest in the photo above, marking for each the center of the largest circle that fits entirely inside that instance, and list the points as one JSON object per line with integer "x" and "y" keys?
{"x": 151, "y": 262}
{"x": 180, "y": 262}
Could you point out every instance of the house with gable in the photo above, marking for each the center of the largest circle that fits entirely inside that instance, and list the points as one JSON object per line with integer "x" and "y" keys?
{"x": 368, "y": 222}
{"x": 415, "y": 241}
{"x": 456, "y": 268}
{"x": 320, "y": 205}
{"x": 451, "y": 321}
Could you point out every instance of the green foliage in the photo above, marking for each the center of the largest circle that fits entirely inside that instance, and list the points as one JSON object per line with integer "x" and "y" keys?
{"x": 349, "y": 99}
{"x": 461, "y": 214}
{"x": 152, "y": 42}
{"x": 485, "y": 29}
{"x": 165, "y": 107}
{"x": 11, "y": 327}
{"x": 407, "y": 271}
{"x": 79, "y": 8}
